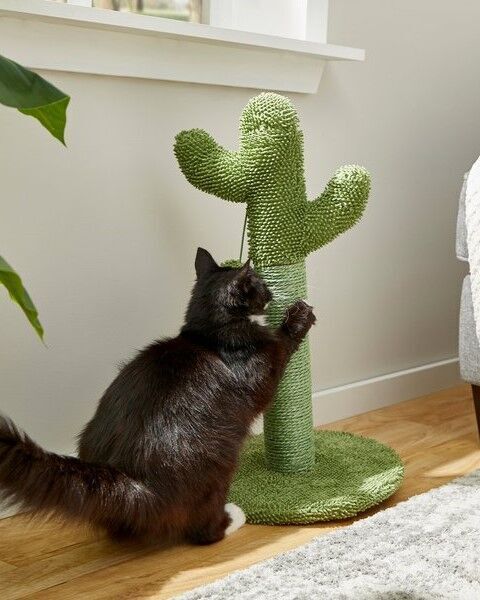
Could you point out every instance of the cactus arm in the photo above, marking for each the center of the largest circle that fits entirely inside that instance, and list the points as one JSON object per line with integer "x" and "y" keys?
{"x": 339, "y": 207}
{"x": 209, "y": 167}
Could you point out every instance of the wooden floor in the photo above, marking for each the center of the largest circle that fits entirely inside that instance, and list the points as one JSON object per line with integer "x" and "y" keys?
{"x": 435, "y": 435}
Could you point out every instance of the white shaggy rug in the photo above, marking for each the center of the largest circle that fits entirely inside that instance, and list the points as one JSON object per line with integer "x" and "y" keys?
{"x": 425, "y": 548}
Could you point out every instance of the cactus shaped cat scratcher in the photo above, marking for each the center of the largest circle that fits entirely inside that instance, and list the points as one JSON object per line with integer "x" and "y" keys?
{"x": 290, "y": 474}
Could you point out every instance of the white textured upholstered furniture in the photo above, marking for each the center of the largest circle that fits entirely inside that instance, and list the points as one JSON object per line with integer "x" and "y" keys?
{"x": 469, "y": 346}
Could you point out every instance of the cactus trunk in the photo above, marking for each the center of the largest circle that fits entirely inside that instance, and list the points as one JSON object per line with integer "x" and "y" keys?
{"x": 288, "y": 425}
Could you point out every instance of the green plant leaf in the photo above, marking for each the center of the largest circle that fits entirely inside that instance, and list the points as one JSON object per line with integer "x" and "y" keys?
{"x": 32, "y": 95}
{"x": 12, "y": 281}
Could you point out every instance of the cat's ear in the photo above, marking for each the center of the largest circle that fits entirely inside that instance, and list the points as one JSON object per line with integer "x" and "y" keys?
{"x": 204, "y": 262}
{"x": 244, "y": 270}
{"x": 242, "y": 276}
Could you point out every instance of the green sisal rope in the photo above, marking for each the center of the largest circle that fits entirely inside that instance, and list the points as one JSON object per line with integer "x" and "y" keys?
{"x": 288, "y": 425}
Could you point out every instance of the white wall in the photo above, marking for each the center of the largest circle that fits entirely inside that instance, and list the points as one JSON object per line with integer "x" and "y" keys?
{"x": 104, "y": 233}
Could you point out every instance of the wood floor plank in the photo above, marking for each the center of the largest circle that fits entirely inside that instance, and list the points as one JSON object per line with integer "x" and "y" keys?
{"x": 435, "y": 435}
{"x": 65, "y": 566}
{"x": 167, "y": 572}
{"x": 5, "y": 568}
{"x": 23, "y": 539}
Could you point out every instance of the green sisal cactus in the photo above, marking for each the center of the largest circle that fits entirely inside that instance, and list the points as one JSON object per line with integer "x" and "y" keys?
{"x": 267, "y": 174}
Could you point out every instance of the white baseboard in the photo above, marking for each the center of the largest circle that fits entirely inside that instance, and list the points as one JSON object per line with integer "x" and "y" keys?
{"x": 362, "y": 396}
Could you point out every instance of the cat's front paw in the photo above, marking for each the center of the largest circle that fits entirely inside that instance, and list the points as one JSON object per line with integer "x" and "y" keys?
{"x": 298, "y": 319}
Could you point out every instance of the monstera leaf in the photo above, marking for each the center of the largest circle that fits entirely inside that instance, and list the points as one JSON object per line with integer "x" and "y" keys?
{"x": 12, "y": 281}
{"x": 32, "y": 95}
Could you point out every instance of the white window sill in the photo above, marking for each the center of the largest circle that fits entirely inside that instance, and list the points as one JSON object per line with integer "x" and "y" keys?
{"x": 47, "y": 35}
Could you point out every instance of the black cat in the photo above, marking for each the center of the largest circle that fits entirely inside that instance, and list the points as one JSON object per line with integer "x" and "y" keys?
{"x": 159, "y": 454}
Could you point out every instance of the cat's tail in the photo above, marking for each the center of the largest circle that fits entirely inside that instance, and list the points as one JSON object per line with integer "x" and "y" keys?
{"x": 41, "y": 481}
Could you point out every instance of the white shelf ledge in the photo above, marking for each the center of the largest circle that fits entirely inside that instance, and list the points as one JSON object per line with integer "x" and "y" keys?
{"x": 47, "y": 35}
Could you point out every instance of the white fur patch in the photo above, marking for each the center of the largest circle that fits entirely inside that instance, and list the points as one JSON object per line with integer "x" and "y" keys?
{"x": 237, "y": 515}
{"x": 259, "y": 319}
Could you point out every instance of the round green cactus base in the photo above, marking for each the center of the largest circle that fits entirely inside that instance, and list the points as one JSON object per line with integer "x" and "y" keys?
{"x": 351, "y": 474}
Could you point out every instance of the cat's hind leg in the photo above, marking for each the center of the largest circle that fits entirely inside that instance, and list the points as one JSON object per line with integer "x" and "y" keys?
{"x": 216, "y": 523}
{"x": 211, "y": 529}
